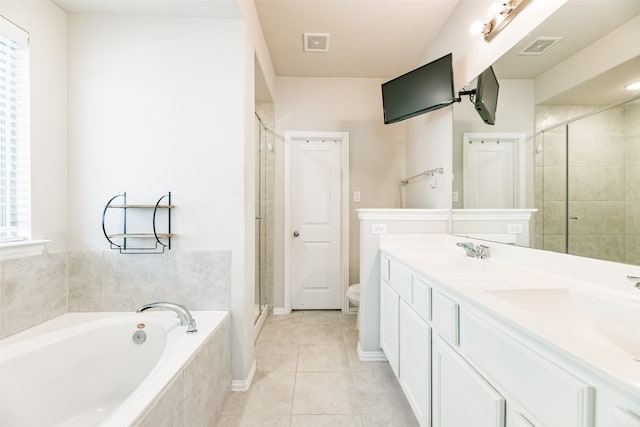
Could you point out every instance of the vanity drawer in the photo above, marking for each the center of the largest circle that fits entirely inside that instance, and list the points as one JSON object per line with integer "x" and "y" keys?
{"x": 551, "y": 394}
{"x": 422, "y": 298}
{"x": 445, "y": 317}
{"x": 400, "y": 279}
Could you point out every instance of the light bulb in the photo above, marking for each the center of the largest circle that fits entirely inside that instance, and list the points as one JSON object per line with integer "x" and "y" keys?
{"x": 476, "y": 28}
{"x": 495, "y": 8}
{"x": 633, "y": 86}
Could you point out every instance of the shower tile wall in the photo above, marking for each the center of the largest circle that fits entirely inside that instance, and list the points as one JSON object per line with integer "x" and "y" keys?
{"x": 632, "y": 181}
{"x": 604, "y": 196}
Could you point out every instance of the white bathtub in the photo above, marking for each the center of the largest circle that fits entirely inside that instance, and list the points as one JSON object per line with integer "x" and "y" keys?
{"x": 83, "y": 369}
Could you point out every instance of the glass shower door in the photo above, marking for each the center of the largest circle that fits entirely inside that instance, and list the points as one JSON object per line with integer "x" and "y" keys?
{"x": 259, "y": 219}
{"x": 596, "y": 185}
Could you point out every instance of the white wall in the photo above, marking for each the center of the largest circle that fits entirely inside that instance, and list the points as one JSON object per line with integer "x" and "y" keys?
{"x": 156, "y": 104}
{"x": 471, "y": 55}
{"x": 429, "y": 148}
{"x": 159, "y": 104}
{"x": 377, "y": 151}
{"x": 47, "y": 29}
{"x": 515, "y": 113}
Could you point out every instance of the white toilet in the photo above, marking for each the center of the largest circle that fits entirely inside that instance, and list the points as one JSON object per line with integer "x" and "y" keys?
{"x": 353, "y": 294}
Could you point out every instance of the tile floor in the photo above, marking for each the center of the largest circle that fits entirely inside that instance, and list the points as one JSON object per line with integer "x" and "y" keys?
{"x": 309, "y": 375}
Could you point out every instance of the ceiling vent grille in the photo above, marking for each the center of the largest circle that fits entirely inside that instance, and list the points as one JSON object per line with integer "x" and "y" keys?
{"x": 540, "y": 45}
{"x": 316, "y": 42}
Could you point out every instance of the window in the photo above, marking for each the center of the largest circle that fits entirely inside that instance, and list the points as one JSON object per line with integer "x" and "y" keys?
{"x": 15, "y": 210}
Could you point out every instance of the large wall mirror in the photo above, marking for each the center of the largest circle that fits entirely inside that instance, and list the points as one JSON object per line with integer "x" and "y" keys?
{"x": 560, "y": 169}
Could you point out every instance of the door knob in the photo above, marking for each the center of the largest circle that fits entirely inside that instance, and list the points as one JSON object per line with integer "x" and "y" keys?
{"x": 296, "y": 233}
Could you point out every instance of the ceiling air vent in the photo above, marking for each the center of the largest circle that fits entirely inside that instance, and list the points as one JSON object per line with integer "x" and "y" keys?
{"x": 540, "y": 45}
{"x": 316, "y": 42}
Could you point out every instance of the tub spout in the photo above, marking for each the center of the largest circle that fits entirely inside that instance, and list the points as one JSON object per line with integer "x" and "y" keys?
{"x": 181, "y": 311}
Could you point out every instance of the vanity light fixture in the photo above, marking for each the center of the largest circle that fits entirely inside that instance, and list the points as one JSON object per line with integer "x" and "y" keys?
{"x": 500, "y": 14}
{"x": 633, "y": 86}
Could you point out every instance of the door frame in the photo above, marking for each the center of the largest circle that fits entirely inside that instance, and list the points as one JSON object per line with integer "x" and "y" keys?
{"x": 519, "y": 160}
{"x": 299, "y": 136}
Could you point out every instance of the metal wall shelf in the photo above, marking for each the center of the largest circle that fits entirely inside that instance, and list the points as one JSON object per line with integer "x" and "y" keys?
{"x": 121, "y": 240}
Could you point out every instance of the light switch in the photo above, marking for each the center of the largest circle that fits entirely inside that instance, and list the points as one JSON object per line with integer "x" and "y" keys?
{"x": 356, "y": 196}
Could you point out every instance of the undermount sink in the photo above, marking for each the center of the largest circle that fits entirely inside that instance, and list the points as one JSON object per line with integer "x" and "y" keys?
{"x": 580, "y": 315}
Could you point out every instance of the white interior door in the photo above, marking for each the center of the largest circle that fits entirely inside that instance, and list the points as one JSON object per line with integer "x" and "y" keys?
{"x": 489, "y": 173}
{"x": 315, "y": 224}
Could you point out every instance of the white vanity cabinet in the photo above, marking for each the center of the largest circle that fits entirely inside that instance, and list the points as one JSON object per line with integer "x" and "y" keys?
{"x": 460, "y": 366}
{"x": 461, "y": 397}
{"x": 390, "y": 325}
{"x": 415, "y": 362}
{"x": 405, "y": 334}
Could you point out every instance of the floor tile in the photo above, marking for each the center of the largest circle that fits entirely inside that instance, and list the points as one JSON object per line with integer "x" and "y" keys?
{"x": 315, "y": 333}
{"x": 270, "y": 394}
{"x": 323, "y": 358}
{"x": 254, "y": 421}
{"x": 389, "y": 420}
{"x": 309, "y": 375}
{"x": 326, "y": 421}
{"x": 274, "y": 357}
{"x": 324, "y": 393}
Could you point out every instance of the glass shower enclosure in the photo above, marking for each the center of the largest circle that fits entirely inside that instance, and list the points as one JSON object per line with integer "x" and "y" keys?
{"x": 264, "y": 185}
{"x": 588, "y": 181}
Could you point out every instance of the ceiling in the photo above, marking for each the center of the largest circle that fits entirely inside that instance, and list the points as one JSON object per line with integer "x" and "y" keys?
{"x": 386, "y": 38}
{"x": 579, "y": 23}
{"x": 368, "y": 38}
{"x": 209, "y": 8}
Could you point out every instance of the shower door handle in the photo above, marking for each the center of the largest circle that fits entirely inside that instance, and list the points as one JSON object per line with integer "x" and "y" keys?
{"x": 296, "y": 233}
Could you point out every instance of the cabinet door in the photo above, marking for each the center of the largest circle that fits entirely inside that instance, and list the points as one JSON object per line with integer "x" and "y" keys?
{"x": 415, "y": 362}
{"x": 461, "y": 397}
{"x": 389, "y": 325}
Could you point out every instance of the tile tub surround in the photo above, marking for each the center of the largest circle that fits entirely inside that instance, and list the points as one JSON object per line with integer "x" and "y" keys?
{"x": 32, "y": 291}
{"x": 196, "y": 394}
{"x": 36, "y": 289}
{"x": 308, "y": 374}
{"x": 109, "y": 281}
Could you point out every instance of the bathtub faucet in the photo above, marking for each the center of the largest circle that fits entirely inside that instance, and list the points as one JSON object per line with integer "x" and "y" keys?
{"x": 181, "y": 311}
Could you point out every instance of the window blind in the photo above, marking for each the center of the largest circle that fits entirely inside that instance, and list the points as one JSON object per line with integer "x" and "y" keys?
{"x": 15, "y": 164}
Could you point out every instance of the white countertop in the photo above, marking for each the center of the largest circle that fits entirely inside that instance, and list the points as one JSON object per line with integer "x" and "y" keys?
{"x": 591, "y": 325}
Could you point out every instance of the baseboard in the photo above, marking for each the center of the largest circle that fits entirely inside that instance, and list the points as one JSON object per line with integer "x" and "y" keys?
{"x": 260, "y": 323}
{"x": 371, "y": 356}
{"x": 277, "y": 311}
{"x": 244, "y": 385}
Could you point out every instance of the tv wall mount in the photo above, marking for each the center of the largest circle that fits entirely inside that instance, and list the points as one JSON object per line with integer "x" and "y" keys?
{"x": 471, "y": 93}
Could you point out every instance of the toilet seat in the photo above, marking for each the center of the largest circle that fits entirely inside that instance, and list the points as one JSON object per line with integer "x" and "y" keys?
{"x": 354, "y": 291}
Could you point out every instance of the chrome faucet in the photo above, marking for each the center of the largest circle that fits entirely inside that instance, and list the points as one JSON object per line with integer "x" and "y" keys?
{"x": 634, "y": 279}
{"x": 181, "y": 311}
{"x": 473, "y": 251}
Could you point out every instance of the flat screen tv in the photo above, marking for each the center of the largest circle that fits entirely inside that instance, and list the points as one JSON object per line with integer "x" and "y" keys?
{"x": 486, "y": 100}
{"x": 419, "y": 91}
